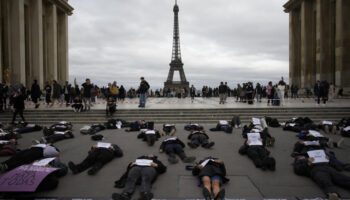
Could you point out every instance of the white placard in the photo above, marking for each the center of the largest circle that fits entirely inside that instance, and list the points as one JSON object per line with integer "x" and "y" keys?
{"x": 347, "y": 128}
{"x": 60, "y": 126}
{"x": 170, "y": 139}
{"x": 4, "y": 141}
{"x": 282, "y": 123}
{"x": 150, "y": 132}
{"x": 254, "y": 139}
{"x": 30, "y": 125}
{"x": 254, "y": 130}
{"x": 327, "y": 123}
{"x": 103, "y": 145}
{"x": 40, "y": 145}
{"x": 63, "y": 122}
{"x": 223, "y": 122}
{"x": 43, "y": 162}
{"x": 194, "y": 124}
{"x": 312, "y": 143}
{"x": 143, "y": 162}
{"x": 169, "y": 125}
{"x": 292, "y": 124}
{"x": 144, "y": 130}
{"x": 294, "y": 118}
{"x": 3, "y": 133}
{"x": 315, "y": 133}
{"x": 59, "y": 133}
{"x": 204, "y": 163}
{"x": 256, "y": 121}
{"x": 119, "y": 125}
{"x": 318, "y": 155}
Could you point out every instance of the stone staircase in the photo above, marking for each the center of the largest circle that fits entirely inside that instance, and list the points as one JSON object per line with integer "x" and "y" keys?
{"x": 180, "y": 115}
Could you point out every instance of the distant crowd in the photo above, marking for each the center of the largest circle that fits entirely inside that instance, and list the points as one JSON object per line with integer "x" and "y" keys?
{"x": 53, "y": 92}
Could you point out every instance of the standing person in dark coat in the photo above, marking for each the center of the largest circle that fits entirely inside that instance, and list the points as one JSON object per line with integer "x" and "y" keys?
{"x": 67, "y": 93}
{"x": 48, "y": 90}
{"x": 1, "y": 98}
{"x": 144, "y": 171}
{"x": 211, "y": 173}
{"x": 222, "y": 92}
{"x": 57, "y": 91}
{"x": 122, "y": 93}
{"x": 324, "y": 90}
{"x": 317, "y": 91}
{"x": 192, "y": 93}
{"x": 144, "y": 86}
{"x": 35, "y": 93}
{"x": 87, "y": 94}
{"x": 18, "y": 105}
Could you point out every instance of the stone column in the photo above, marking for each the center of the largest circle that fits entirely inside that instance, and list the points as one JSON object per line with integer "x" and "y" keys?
{"x": 1, "y": 64}
{"x": 324, "y": 41}
{"x": 6, "y": 35}
{"x": 339, "y": 43}
{"x": 294, "y": 47}
{"x": 51, "y": 41}
{"x": 36, "y": 23}
{"x": 306, "y": 44}
{"x": 62, "y": 34}
{"x": 17, "y": 60}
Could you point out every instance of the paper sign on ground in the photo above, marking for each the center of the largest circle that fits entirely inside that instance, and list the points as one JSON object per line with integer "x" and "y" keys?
{"x": 40, "y": 145}
{"x": 254, "y": 139}
{"x": 25, "y": 178}
{"x": 256, "y": 121}
{"x": 3, "y": 141}
{"x": 169, "y": 139}
{"x": 327, "y": 123}
{"x": 318, "y": 155}
{"x": 43, "y": 162}
{"x": 103, "y": 145}
{"x": 151, "y": 132}
{"x": 144, "y": 130}
{"x": 347, "y": 128}
{"x": 312, "y": 143}
{"x": 315, "y": 133}
{"x": 223, "y": 122}
{"x": 204, "y": 163}
{"x": 59, "y": 132}
{"x": 143, "y": 162}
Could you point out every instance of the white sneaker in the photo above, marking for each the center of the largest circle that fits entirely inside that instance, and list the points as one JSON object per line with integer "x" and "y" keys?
{"x": 340, "y": 142}
{"x": 236, "y": 126}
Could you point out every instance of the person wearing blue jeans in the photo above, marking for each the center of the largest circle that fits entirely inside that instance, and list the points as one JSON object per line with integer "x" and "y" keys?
{"x": 144, "y": 86}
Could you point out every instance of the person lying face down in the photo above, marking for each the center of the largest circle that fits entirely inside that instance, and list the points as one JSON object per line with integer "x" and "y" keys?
{"x": 8, "y": 147}
{"x": 193, "y": 126}
{"x": 144, "y": 172}
{"x": 172, "y": 146}
{"x": 150, "y": 136}
{"x": 199, "y": 138}
{"x": 55, "y": 137}
{"x": 312, "y": 135}
{"x": 138, "y": 125}
{"x": 255, "y": 150}
{"x": 223, "y": 125}
{"x": 27, "y": 156}
{"x": 62, "y": 126}
{"x": 344, "y": 127}
{"x": 319, "y": 169}
{"x": 8, "y": 135}
{"x": 211, "y": 173}
{"x": 98, "y": 156}
{"x": 168, "y": 129}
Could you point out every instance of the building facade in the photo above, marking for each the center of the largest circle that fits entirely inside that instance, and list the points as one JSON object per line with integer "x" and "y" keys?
{"x": 319, "y": 42}
{"x": 34, "y": 41}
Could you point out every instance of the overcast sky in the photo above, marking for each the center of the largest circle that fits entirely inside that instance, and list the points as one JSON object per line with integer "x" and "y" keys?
{"x": 221, "y": 40}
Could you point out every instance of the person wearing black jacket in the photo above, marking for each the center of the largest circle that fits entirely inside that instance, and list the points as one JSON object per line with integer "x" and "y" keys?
{"x": 35, "y": 93}
{"x": 172, "y": 146}
{"x": 143, "y": 175}
{"x": 192, "y": 93}
{"x": 67, "y": 93}
{"x": 199, "y": 138}
{"x": 18, "y": 105}
{"x": 48, "y": 90}
{"x": 144, "y": 86}
{"x": 212, "y": 174}
{"x": 222, "y": 92}
{"x": 326, "y": 176}
{"x": 87, "y": 94}
{"x": 96, "y": 159}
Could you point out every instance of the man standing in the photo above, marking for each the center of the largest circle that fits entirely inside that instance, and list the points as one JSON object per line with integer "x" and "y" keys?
{"x": 35, "y": 93}
{"x": 222, "y": 93}
{"x": 144, "y": 86}
{"x": 18, "y": 105}
{"x": 47, "y": 93}
{"x": 66, "y": 91}
{"x": 87, "y": 94}
{"x": 192, "y": 93}
{"x": 56, "y": 92}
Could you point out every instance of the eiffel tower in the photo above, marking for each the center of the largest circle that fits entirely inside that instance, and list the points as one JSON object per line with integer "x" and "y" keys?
{"x": 176, "y": 61}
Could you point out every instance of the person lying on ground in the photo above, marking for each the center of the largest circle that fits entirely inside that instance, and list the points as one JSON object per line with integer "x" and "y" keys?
{"x": 62, "y": 126}
{"x": 116, "y": 124}
{"x": 27, "y": 156}
{"x": 300, "y": 124}
{"x": 168, "y": 129}
{"x": 149, "y": 136}
{"x": 312, "y": 135}
{"x": 98, "y": 156}
{"x": 328, "y": 127}
{"x": 8, "y": 147}
{"x": 28, "y": 128}
{"x": 93, "y": 129}
{"x": 55, "y": 137}
{"x": 173, "y": 146}
{"x": 255, "y": 150}
{"x": 199, "y": 138}
{"x": 321, "y": 172}
{"x": 266, "y": 137}
{"x": 223, "y": 125}
{"x": 8, "y": 135}
{"x": 193, "y": 126}
{"x": 211, "y": 173}
{"x": 138, "y": 125}
{"x": 144, "y": 172}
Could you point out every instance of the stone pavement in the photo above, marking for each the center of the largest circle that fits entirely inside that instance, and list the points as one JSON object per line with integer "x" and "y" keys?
{"x": 201, "y": 103}
{"x": 246, "y": 181}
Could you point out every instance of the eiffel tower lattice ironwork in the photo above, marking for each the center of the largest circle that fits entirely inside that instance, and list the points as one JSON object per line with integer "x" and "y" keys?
{"x": 176, "y": 61}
